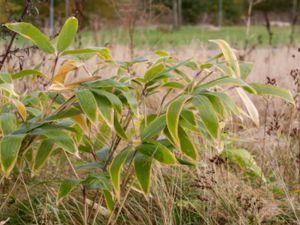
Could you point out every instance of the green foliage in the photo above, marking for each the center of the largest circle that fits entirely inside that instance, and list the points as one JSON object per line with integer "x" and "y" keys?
{"x": 67, "y": 34}
{"x": 104, "y": 127}
{"x": 32, "y": 33}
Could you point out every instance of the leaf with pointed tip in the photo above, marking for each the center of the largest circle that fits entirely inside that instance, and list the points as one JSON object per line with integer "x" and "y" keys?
{"x": 66, "y": 187}
{"x": 245, "y": 160}
{"x": 158, "y": 151}
{"x": 265, "y": 89}
{"x": 8, "y": 123}
{"x": 59, "y": 137}
{"x": 115, "y": 169}
{"x": 131, "y": 101}
{"x": 43, "y": 152}
{"x": 109, "y": 200}
{"x": 88, "y": 103}
{"x": 207, "y": 114}
{"x": 9, "y": 149}
{"x": 67, "y": 67}
{"x": 87, "y": 52}
{"x": 229, "y": 56}
{"x": 114, "y": 100}
{"x": 32, "y": 33}
{"x": 223, "y": 81}
{"x": 154, "y": 128}
{"x": 67, "y": 34}
{"x": 105, "y": 109}
{"x": 173, "y": 114}
{"x": 154, "y": 71}
{"x": 142, "y": 166}
{"x": 21, "y": 109}
{"x": 228, "y": 103}
{"x": 251, "y": 109}
{"x": 25, "y": 73}
{"x": 186, "y": 145}
{"x": 118, "y": 128}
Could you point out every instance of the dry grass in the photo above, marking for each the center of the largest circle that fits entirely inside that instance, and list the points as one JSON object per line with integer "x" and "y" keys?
{"x": 212, "y": 193}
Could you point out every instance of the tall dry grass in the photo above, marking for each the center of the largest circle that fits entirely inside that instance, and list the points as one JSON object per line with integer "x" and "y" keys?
{"x": 212, "y": 193}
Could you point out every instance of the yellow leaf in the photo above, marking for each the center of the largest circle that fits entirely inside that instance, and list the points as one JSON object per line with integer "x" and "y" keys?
{"x": 21, "y": 109}
{"x": 81, "y": 121}
{"x": 77, "y": 83}
{"x": 65, "y": 69}
{"x": 60, "y": 88}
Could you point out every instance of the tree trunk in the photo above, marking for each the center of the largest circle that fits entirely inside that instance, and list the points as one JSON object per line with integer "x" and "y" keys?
{"x": 293, "y": 20}
{"x": 177, "y": 14}
{"x": 67, "y": 8}
{"x": 51, "y": 17}
{"x": 220, "y": 15}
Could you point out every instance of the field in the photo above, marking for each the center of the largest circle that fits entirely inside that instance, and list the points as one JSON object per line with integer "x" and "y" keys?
{"x": 164, "y": 37}
{"x": 215, "y": 191}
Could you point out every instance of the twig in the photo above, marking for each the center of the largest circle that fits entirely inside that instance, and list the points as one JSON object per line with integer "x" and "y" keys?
{"x": 13, "y": 37}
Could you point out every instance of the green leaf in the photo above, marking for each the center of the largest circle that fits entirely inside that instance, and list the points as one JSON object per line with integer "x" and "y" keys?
{"x": 246, "y": 69}
{"x": 67, "y": 34}
{"x": 88, "y": 52}
{"x": 265, "y": 89}
{"x": 8, "y": 123}
{"x": 174, "y": 85}
{"x": 131, "y": 100}
{"x": 25, "y": 73}
{"x": 158, "y": 151}
{"x": 32, "y": 33}
{"x": 142, "y": 166}
{"x": 217, "y": 105}
{"x": 109, "y": 200}
{"x": 59, "y": 137}
{"x": 245, "y": 160}
{"x": 105, "y": 108}
{"x": 9, "y": 149}
{"x": 228, "y": 103}
{"x": 153, "y": 71}
{"x": 207, "y": 114}
{"x": 173, "y": 114}
{"x": 115, "y": 169}
{"x": 42, "y": 154}
{"x": 88, "y": 103}
{"x": 66, "y": 187}
{"x": 5, "y": 78}
{"x": 185, "y": 162}
{"x": 186, "y": 145}
{"x": 114, "y": 100}
{"x": 118, "y": 128}
{"x": 154, "y": 128}
{"x": 222, "y": 81}
{"x": 229, "y": 56}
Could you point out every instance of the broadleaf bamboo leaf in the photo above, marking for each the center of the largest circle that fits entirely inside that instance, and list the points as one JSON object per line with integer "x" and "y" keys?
{"x": 173, "y": 114}
{"x": 88, "y": 103}
{"x": 67, "y": 34}
{"x": 32, "y": 33}
{"x": 116, "y": 167}
{"x": 66, "y": 187}
{"x": 207, "y": 114}
{"x": 142, "y": 166}
{"x": 265, "y": 89}
{"x": 43, "y": 152}
{"x": 157, "y": 151}
{"x": 9, "y": 149}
